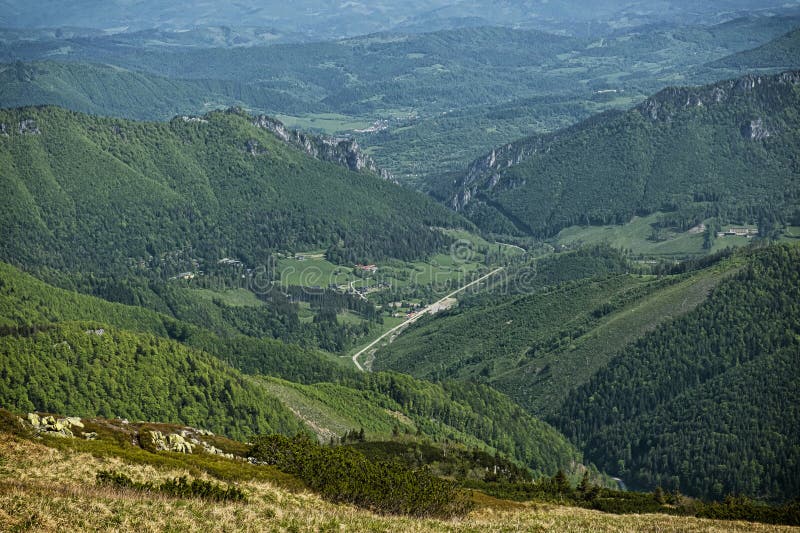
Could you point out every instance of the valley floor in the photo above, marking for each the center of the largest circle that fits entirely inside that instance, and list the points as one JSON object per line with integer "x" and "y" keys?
{"x": 45, "y": 489}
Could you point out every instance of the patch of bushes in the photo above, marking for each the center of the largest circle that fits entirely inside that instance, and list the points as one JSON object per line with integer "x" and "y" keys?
{"x": 557, "y": 489}
{"x": 343, "y": 474}
{"x": 179, "y": 487}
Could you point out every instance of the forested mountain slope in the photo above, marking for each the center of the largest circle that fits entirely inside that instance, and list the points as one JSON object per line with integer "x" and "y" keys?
{"x": 722, "y": 150}
{"x": 68, "y": 352}
{"x": 708, "y": 403}
{"x": 92, "y": 194}
{"x": 26, "y": 302}
{"x": 549, "y": 328}
{"x": 93, "y": 370}
{"x": 689, "y": 381}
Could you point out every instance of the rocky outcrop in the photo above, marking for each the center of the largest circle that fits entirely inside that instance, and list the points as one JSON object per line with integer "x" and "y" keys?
{"x": 57, "y": 427}
{"x": 171, "y": 443}
{"x": 28, "y": 127}
{"x": 343, "y": 151}
{"x": 755, "y": 130}
{"x": 486, "y": 173}
{"x": 213, "y": 450}
{"x": 186, "y": 442}
{"x": 198, "y": 120}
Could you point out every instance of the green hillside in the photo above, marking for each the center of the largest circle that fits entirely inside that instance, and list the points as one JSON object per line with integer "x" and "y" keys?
{"x": 91, "y": 370}
{"x": 91, "y": 194}
{"x": 670, "y": 380}
{"x": 68, "y": 352}
{"x": 548, "y": 328}
{"x": 782, "y": 53}
{"x": 110, "y": 90}
{"x": 602, "y": 312}
{"x": 112, "y": 481}
{"x": 98, "y": 89}
{"x": 708, "y": 403}
{"x": 723, "y": 150}
{"x": 26, "y": 302}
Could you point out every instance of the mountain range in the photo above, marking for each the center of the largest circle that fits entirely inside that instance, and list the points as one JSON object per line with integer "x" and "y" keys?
{"x": 315, "y": 19}
{"x": 385, "y": 90}
{"x": 262, "y": 255}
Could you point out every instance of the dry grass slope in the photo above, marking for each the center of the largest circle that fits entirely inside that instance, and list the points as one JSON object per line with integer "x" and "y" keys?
{"x": 44, "y": 489}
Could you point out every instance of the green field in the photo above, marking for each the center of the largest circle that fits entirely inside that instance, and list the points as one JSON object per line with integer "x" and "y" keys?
{"x": 314, "y": 271}
{"x": 634, "y": 235}
{"x": 233, "y": 297}
{"x": 466, "y": 258}
{"x": 348, "y": 317}
{"x": 791, "y": 232}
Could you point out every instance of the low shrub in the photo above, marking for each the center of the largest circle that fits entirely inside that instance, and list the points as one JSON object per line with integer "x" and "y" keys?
{"x": 179, "y": 487}
{"x": 343, "y": 474}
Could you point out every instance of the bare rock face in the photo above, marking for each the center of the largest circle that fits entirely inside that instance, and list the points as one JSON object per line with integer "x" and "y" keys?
{"x": 461, "y": 199}
{"x": 28, "y": 127}
{"x": 3, "y": 129}
{"x": 485, "y": 172}
{"x": 343, "y": 151}
{"x": 755, "y": 130}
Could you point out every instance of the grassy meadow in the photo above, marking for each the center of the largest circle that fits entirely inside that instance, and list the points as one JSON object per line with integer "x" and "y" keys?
{"x": 47, "y": 489}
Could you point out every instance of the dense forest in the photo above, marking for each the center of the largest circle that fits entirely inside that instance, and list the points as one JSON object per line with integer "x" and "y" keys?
{"x": 707, "y": 404}
{"x": 548, "y": 326}
{"x": 670, "y": 380}
{"x": 26, "y": 302}
{"x": 101, "y": 195}
{"x": 92, "y": 370}
{"x": 128, "y": 349}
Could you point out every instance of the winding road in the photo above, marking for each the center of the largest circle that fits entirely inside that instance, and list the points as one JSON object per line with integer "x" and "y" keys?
{"x": 436, "y": 305}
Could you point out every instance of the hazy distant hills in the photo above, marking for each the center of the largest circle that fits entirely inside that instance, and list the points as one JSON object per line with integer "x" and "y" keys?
{"x": 317, "y": 19}
{"x": 107, "y": 90}
{"x": 783, "y": 52}
{"x": 445, "y": 97}
{"x": 721, "y": 150}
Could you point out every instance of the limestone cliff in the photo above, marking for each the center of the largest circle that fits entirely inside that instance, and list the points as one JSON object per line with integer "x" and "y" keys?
{"x": 343, "y": 151}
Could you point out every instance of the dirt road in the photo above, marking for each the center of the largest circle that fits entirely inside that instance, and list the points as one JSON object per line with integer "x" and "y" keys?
{"x": 434, "y": 307}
